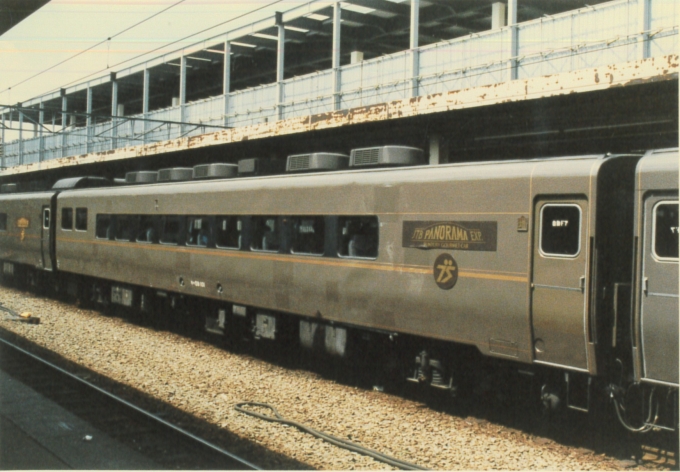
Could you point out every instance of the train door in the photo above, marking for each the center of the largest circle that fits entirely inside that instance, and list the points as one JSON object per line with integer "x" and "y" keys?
{"x": 558, "y": 304}
{"x": 659, "y": 291}
{"x": 45, "y": 237}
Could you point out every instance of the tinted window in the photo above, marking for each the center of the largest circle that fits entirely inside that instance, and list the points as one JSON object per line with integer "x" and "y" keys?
{"x": 666, "y": 230}
{"x": 81, "y": 219}
{"x": 46, "y": 218}
{"x": 67, "y": 218}
{"x": 171, "y": 226}
{"x": 103, "y": 227}
{"x": 3, "y": 221}
{"x": 198, "y": 231}
{"x": 560, "y": 230}
{"x": 146, "y": 230}
{"x": 123, "y": 227}
{"x": 308, "y": 234}
{"x": 265, "y": 234}
{"x": 228, "y": 231}
{"x": 358, "y": 236}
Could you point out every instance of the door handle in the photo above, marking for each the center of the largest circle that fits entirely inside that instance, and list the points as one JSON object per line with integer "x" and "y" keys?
{"x": 645, "y": 285}
{"x": 582, "y": 283}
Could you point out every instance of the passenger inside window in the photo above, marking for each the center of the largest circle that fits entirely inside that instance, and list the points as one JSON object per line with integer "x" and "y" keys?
{"x": 171, "y": 229}
{"x": 358, "y": 237}
{"x": 123, "y": 227}
{"x": 198, "y": 231}
{"x": 228, "y": 233}
{"x": 560, "y": 230}
{"x": 308, "y": 235}
{"x": 666, "y": 230}
{"x": 146, "y": 232}
{"x": 67, "y": 218}
{"x": 265, "y": 236}
{"x": 103, "y": 227}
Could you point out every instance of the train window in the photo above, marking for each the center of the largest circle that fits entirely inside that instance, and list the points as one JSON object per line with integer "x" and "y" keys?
{"x": 265, "y": 234}
{"x": 358, "y": 236}
{"x": 46, "y": 218}
{"x": 198, "y": 231}
{"x": 81, "y": 219}
{"x": 103, "y": 227}
{"x": 666, "y": 230}
{"x": 560, "y": 230}
{"x": 228, "y": 232}
{"x": 146, "y": 230}
{"x": 171, "y": 228}
{"x": 308, "y": 235}
{"x": 67, "y": 218}
{"x": 123, "y": 227}
{"x": 3, "y": 221}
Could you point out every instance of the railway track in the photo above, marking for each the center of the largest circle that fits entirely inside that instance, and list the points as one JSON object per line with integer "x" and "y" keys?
{"x": 160, "y": 441}
{"x": 205, "y": 381}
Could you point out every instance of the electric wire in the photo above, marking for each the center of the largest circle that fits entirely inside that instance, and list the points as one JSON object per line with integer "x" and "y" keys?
{"x": 339, "y": 442}
{"x": 167, "y": 44}
{"x": 94, "y": 46}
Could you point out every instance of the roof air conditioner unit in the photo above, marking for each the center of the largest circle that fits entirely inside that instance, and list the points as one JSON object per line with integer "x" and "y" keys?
{"x": 141, "y": 177}
{"x": 215, "y": 171}
{"x": 316, "y": 161}
{"x": 259, "y": 166}
{"x": 9, "y": 188}
{"x": 386, "y": 156}
{"x": 175, "y": 174}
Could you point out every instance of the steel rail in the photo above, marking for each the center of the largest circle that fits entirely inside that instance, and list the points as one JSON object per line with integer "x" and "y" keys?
{"x": 245, "y": 463}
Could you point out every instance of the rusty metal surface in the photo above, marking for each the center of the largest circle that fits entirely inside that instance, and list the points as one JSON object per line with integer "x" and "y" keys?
{"x": 586, "y": 80}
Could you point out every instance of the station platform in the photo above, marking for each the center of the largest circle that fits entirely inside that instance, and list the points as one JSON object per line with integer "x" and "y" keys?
{"x": 36, "y": 433}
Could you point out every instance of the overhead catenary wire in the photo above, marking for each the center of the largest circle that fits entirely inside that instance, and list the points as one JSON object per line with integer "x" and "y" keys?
{"x": 94, "y": 46}
{"x": 339, "y": 442}
{"x": 163, "y": 46}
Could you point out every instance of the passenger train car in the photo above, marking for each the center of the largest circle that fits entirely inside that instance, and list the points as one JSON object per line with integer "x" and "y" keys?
{"x": 566, "y": 268}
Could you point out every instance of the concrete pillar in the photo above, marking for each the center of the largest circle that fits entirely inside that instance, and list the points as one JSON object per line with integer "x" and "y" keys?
{"x": 434, "y": 149}
{"x": 2, "y": 141}
{"x": 337, "y": 29}
{"x": 280, "y": 64}
{"x": 182, "y": 91}
{"x": 88, "y": 120}
{"x": 145, "y": 101}
{"x": 644, "y": 22}
{"x": 498, "y": 18}
{"x": 114, "y": 111}
{"x": 21, "y": 136}
{"x": 512, "y": 22}
{"x": 41, "y": 140}
{"x": 415, "y": 63}
{"x": 64, "y": 122}
{"x": 226, "y": 80}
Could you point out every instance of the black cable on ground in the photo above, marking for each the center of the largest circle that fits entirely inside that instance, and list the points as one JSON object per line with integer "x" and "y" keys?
{"x": 343, "y": 443}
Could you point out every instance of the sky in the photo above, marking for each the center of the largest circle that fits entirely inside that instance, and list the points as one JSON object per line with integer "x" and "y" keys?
{"x": 63, "y": 28}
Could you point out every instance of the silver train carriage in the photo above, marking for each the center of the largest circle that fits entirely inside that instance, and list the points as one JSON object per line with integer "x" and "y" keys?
{"x": 568, "y": 265}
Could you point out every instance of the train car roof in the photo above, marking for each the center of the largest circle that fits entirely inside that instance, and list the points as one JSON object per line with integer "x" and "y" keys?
{"x": 558, "y": 166}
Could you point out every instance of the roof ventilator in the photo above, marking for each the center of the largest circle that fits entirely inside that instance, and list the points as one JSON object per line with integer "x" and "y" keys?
{"x": 141, "y": 177}
{"x": 215, "y": 171}
{"x": 317, "y": 161}
{"x": 175, "y": 174}
{"x": 9, "y": 188}
{"x": 386, "y": 156}
{"x": 259, "y": 166}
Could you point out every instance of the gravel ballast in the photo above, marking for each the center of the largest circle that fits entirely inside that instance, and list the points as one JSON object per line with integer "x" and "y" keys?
{"x": 206, "y": 381}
